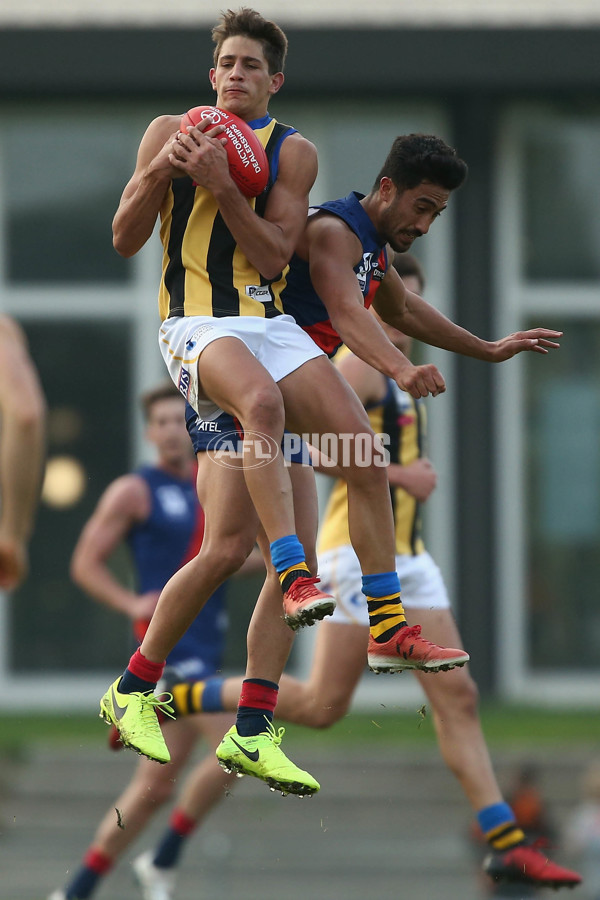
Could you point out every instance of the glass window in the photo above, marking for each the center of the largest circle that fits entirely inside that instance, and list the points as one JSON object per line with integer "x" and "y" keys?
{"x": 563, "y": 509}
{"x": 61, "y": 188}
{"x": 548, "y": 426}
{"x": 84, "y": 367}
{"x": 562, "y": 198}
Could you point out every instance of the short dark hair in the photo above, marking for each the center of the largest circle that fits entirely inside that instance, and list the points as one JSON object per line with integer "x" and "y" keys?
{"x": 250, "y": 23}
{"x": 165, "y": 391}
{"x": 422, "y": 157}
{"x": 407, "y": 265}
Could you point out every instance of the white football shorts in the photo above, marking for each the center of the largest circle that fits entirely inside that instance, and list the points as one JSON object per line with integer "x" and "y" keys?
{"x": 420, "y": 580}
{"x": 279, "y": 344}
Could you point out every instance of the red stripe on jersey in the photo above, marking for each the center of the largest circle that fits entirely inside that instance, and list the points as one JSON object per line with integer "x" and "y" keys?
{"x": 375, "y": 282}
{"x": 324, "y": 334}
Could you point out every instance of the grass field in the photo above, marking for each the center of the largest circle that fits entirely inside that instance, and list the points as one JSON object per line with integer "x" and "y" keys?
{"x": 504, "y": 727}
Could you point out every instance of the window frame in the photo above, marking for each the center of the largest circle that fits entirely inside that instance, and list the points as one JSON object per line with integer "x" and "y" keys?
{"x": 517, "y": 300}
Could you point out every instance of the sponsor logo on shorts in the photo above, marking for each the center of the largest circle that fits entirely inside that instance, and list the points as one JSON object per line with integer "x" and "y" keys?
{"x": 202, "y": 425}
{"x": 184, "y": 383}
{"x": 193, "y": 340}
{"x": 258, "y": 292}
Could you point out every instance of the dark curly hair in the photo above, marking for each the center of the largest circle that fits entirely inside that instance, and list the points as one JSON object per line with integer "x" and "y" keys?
{"x": 422, "y": 157}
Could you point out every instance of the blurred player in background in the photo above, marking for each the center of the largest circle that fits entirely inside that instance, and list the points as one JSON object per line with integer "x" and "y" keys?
{"x": 341, "y": 641}
{"x": 22, "y": 451}
{"x": 155, "y": 511}
{"x": 532, "y": 817}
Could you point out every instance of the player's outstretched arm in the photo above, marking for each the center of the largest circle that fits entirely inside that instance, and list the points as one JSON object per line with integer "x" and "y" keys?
{"x": 539, "y": 340}
{"x": 125, "y": 503}
{"x": 22, "y": 451}
{"x": 415, "y": 317}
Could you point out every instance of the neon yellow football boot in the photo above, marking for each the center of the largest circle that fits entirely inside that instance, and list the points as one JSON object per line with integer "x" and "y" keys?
{"x": 134, "y": 717}
{"x": 260, "y": 755}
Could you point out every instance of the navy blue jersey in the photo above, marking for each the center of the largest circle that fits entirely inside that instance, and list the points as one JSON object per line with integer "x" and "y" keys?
{"x": 299, "y": 297}
{"x": 170, "y": 536}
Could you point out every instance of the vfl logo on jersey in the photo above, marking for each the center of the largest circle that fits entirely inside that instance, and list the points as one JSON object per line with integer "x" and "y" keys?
{"x": 172, "y": 501}
{"x": 363, "y": 269}
{"x": 259, "y": 292}
{"x": 183, "y": 385}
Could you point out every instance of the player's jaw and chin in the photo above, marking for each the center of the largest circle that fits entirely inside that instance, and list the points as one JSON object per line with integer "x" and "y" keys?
{"x": 235, "y": 99}
{"x": 241, "y": 102}
{"x": 402, "y": 241}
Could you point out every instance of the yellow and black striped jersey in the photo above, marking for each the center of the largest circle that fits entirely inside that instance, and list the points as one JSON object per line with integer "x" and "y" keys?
{"x": 204, "y": 273}
{"x": 403, "y": 420}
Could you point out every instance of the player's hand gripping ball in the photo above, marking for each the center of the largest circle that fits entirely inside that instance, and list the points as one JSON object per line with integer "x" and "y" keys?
{"x": 248, "y": 162}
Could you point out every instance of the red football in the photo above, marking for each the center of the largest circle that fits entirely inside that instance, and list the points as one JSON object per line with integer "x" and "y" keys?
{"x": 248, "y": 162}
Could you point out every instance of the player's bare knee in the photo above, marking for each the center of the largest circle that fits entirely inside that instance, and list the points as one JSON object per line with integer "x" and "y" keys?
{"x": 225, "y": 553}
{"x": 233, "y": 554}
{"x": 264, "y": 411}
{"x": 361, "y": 470}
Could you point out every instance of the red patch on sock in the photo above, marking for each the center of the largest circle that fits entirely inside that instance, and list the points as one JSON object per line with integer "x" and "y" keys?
{"x": 97, "y": 861}
{"x": 258, "y": 696}
{"x": 181, "y": 823}
{"x": 144, "y": 668}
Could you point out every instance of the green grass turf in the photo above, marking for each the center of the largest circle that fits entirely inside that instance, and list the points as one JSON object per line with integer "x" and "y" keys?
{"x": 504, "y": 726}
